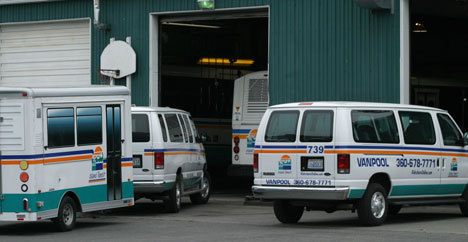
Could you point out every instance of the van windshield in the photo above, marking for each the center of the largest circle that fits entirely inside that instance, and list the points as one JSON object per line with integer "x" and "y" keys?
{"x": 317, "y": 126}
{"x": 282, "y": 126}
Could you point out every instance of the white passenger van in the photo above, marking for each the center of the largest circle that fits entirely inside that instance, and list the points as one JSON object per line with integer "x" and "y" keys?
{"x": 250, "y": 102}
{"x": 372, "y": 157}
{"x": 63, "y": 151}
{"x": 168, "y": 157}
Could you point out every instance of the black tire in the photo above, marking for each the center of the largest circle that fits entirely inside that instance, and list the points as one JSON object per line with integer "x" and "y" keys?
{"x": 394, "y": 209}
{"x": 66, "y": 219}
{"x": 174, "y": 201}
{"x": 204, "y": 196}
{"x": 464, "y": 204}
{"x": 287, "y": 213}
{"x": 377, "y": 194}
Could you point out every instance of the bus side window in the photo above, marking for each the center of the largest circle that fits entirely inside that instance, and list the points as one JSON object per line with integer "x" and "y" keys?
{"x": 89, "y": 125}
{"x": 60, "y": 127}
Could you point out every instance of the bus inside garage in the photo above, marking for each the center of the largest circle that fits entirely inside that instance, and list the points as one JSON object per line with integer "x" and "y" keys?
{"x": 439, "y": 50}
{"x": 200, "y": 57}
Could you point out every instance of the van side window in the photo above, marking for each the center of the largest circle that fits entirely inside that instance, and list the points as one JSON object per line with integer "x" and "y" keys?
{"x": 417, "y": 128}
{"x": 450, "y": 132}
{"x": 189, "y": 129}
{"x": 374, "y": 126}
{"x": 174, "y": 128}
{"x": 184, "y": 128}
{"x": 89, "y": 125}
{"x": 60, "y": 127}
{"x": 140, "y": 128}
{"x": 317, "y": 126}
{"x": 282, "y": 126}
{"x": 163, "y": 127}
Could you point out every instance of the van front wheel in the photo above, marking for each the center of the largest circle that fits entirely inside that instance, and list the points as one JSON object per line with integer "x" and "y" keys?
{"x": 287, "y": 213}
{"x": 373, "y": 207}
{"x": 204, "y": 195}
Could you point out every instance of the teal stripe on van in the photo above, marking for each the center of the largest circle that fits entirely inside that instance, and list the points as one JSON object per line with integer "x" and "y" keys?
{"x": 434, "y": 189}
{"x": 88, "y": 194}
{"x": 417, "y": 190}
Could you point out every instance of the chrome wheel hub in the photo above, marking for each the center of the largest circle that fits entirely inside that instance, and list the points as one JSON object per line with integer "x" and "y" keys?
{"x": 378, "y": 205}
{"x": 67, "y": 216}
{"x": 205, "y": 187}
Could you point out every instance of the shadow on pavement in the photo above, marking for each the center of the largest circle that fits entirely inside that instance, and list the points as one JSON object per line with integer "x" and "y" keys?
{"x": 44, "y": 227}
{"x": 403, "y": 218}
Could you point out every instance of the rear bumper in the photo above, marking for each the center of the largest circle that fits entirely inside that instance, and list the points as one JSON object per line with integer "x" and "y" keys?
{"x": 301, "y": 193}
{"x": 141, "y": 187}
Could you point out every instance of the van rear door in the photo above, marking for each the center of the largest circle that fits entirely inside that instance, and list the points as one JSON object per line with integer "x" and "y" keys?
{"x": 11, "y": 131}
{"x": 316, "y": 167}
{"x": 143, "y": 165}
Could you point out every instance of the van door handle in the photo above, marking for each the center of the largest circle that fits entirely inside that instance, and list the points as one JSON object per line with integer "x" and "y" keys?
{"x": 145, "y": 170}
{"x": 438, "y": 165}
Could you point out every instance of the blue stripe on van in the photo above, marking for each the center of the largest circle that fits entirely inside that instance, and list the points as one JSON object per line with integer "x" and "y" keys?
{"x": 345, "y": 147}
{"x": 26, "y": 157}
{"x": 169, "y": 150}
{"x": 240, "y": 131}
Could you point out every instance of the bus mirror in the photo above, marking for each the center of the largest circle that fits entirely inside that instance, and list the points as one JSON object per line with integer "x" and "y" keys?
{"x": 201, "y": 138}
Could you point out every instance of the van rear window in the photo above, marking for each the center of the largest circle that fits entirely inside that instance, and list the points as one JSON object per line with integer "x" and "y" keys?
{"x": 374, "y": 126}
{"x": 140, "y": 127}
{"x": 317, "y": 126}
{"x": 282, "y": 126}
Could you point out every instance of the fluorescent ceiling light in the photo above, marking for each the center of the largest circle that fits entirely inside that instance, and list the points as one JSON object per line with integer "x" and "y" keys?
{"x": 225, "y": 62}
{"x": 192, "y": 25}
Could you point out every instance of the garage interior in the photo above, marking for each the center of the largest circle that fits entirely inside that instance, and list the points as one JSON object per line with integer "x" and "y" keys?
{"x": 439, "y": 50}
{"x": 200, "y": 56}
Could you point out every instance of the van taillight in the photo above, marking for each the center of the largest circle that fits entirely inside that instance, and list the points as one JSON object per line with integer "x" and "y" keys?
{"x": 343, "y": 164}
{"x": 25, "y": 204}
{"x": 159, "y": 160}
{"x": 255, "y": 163}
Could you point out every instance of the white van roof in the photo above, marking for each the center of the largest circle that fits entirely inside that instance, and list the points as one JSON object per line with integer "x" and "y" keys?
{"x": 352, "y": 105}
{"x": 157, "y": 109}
{"x": 67, "y": 91}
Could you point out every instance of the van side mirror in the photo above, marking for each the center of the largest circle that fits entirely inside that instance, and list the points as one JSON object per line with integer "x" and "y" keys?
{"x": 201, "y": 138}
{"x": 465, "y": 139}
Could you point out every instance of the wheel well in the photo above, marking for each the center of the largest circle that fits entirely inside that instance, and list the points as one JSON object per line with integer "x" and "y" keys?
{"x": 75, "y": 198}
{"x": 382, "y": 179}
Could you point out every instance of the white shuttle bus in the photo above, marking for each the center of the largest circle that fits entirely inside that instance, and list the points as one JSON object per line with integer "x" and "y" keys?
{"x": 371, "y": 157}
{"x": 250, "y": 102}
{"x": 63, "y": 151}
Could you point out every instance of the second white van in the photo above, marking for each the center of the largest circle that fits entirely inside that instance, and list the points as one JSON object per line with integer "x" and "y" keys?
{"x": 168, "y": 157}
{"x": 371, "y": 157}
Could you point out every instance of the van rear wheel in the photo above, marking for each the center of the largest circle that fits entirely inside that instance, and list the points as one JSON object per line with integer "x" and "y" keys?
{"x": 464, "y": 204}
{"x": 66, "y": 219}
{"x": 287, "y": 213}
{"x": 373, "y": 207}
{"x": 173, "y": 203}
{"x": 204, "y": 195}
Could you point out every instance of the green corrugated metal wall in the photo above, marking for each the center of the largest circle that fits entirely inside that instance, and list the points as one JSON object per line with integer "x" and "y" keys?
{"x": 319, "y": 49}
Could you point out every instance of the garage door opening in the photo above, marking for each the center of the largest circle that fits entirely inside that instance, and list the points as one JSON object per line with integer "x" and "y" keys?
{"x": 439, "y": 37}
{"x": 200, "y": 57}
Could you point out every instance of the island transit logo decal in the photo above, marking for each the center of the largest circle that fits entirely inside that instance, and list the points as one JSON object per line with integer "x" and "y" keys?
{"x": 251, "y": 141}
{"x": 97, "y": 163}
{"x": 284, "y": 165}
